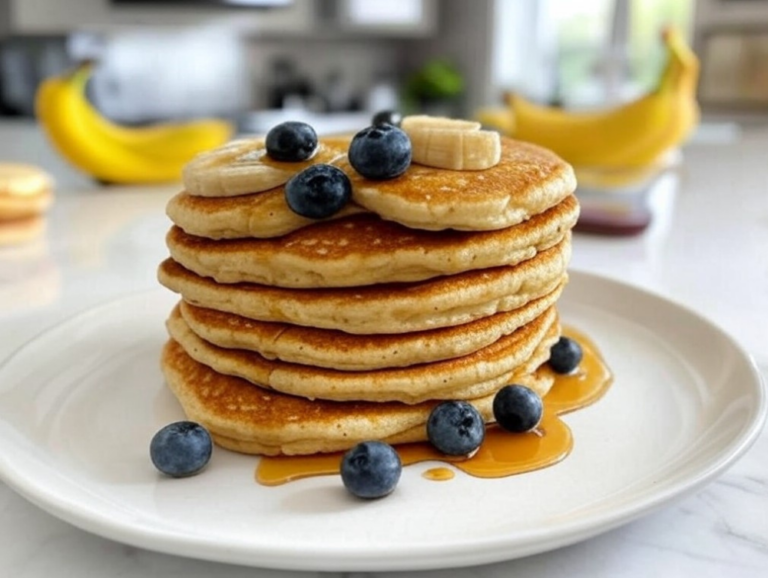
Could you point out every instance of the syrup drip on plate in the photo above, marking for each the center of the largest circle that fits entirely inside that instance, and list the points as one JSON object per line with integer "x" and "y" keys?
{"x": 439, "y": 474}
{"x": 502, "y": 453}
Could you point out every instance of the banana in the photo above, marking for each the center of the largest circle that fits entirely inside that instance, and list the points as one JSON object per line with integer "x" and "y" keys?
{"x": 631, "y": 135}
{"x": 500, "y": 118}
{"x": 242, "y": 167}
{"x": 423, "y": 121}
{"x": 453, "y": 144}
{"x": 114, "y": 153}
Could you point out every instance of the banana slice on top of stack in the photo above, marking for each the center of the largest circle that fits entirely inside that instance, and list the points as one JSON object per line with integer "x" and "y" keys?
{"x": 453, "y": 144}
{"x": 339, "y": 294}
{"x": 243, "y": 166}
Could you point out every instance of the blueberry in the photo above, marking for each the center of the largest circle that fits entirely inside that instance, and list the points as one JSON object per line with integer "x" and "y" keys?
{"x": 455, "y": 428}
{"x": 291, "y": 141}
{"x": 565, "y": 355}
{"x": 181, "y": 449}
{"x": 371, "y": 470}
{"x": 387, "y": 117}
{"x": 517, "y": 408}
{"x": 318, "y": 191}
{"x": 380, "y": 152}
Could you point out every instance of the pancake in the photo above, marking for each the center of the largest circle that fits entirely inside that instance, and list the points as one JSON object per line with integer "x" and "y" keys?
{"x": 260, "y": 215}
{"x": 527, "y": 181}
{"x": 473, "y": 375}
{"x": 14, "y": 206}
{"x": 22, "y": 180}
{"x": 348, "y": 352}
{"x": 387, "y": 308}
{"x": 242, "y": 166}
{"x": 365, "y": 250}
{"x": 24, "y": 230}
{"x": 249, "y": 419}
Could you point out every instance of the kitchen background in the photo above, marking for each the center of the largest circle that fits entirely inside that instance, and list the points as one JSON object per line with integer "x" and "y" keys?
{"x": 336, "y": 61}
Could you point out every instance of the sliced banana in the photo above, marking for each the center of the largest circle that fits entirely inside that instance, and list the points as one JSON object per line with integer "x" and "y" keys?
{"x": 422, "y": 121}
{"x": 242, "y": 167}
{"x": 457, "y": 145}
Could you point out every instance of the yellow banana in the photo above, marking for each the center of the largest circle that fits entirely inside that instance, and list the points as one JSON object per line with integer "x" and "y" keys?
{"x": 500, "y": 118}
{"x": 631, "y": 135}
{"x": 115, "y": 153}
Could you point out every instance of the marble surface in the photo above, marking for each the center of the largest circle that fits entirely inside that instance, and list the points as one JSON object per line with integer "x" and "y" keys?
{"x": 707, "y": 248}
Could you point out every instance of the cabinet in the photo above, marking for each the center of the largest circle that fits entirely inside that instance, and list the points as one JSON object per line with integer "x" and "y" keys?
{"x": 317, "y": 18}
{"x": 46, "y": 17}
{"x": 410, "y": 18}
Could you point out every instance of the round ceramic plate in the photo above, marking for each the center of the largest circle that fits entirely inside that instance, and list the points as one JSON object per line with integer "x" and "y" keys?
{"x": 79, "y": 404}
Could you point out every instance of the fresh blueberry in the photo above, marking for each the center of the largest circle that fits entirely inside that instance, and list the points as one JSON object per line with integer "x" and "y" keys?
{"x": 380, "y": 152}
{"x": 181, "y": 449}
{"x": 387, "y": 117}
{"x": 565, "y": 355}
{"x": 291, "y": 141}
{"x": 371, "y": 470}
{"x": 318, "y": 191}
{"x": 517, "y": 408}
{"x": 455, "y": 428}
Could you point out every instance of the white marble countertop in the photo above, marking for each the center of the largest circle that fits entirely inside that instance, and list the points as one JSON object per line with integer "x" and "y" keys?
{"x": 708, "y": 248}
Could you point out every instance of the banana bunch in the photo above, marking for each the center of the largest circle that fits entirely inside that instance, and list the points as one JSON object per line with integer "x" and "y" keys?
{"x": 114, "y": 153}
{"x": 630, "y": 136}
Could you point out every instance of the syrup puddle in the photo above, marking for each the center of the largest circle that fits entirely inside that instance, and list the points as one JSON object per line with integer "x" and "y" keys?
{"x": 501, "y": 454}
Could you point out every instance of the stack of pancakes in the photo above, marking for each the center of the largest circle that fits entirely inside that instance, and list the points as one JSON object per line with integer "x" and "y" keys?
{"x": 295, "y": 336}
{"x": 25, "y": 195}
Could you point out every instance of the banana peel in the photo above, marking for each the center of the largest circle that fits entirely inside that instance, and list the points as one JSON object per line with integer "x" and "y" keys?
{"x": 110, "y": 152}
{"x": 617, "y": 146}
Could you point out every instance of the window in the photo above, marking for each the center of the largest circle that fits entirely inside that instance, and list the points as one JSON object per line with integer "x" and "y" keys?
{"x": 610, "y": 50}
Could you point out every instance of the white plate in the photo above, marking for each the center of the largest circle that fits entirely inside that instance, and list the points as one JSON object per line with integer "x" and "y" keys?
{"x": 79, "y": 404}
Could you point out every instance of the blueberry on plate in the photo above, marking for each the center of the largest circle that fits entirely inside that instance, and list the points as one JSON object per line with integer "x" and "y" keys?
{"x": 371, "y": 470}
{"x": 565, "y": 356}
{"x": 387, "y": 117}
{"x": 455, "y": 428}
{"x": 380, "y": 152}
{"x": 181, "y": 449}
{"x": 517, "y": 408}
{"x": 318, "y": 191}
{"x": 291, "y": 141}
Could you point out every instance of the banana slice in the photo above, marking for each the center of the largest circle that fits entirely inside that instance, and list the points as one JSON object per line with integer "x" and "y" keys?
{"x": 423, "y": 121}
{"x": 457, "y": 145}
{"x": 242, "y": 167}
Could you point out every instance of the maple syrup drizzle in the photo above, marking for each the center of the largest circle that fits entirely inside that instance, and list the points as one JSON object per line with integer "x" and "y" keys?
{"x": 502, "y": 453}
{"x": 439, "y": 474}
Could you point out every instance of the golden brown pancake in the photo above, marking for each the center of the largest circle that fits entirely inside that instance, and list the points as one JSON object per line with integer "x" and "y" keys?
{"x": 387, "y": 308}
{"x": 527, "y": 181}
{"x": 365, "y": 250}
{"x": 249, "y": 419}
{"x": 24, "y": 230}
{"x": 466, "y": 377}
{"x": 22, "y": 206}
{"x": 260, "y": 215}
{"x": 349, "y": 352}
{"x": 25, "y": 191}
{"x": 20, "y": 180}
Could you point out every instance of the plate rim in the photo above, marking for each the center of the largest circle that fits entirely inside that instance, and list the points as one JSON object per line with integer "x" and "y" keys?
{"x": 449, "y": 554}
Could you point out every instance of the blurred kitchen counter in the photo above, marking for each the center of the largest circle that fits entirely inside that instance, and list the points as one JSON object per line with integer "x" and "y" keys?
{"x": 707, "y": 248}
